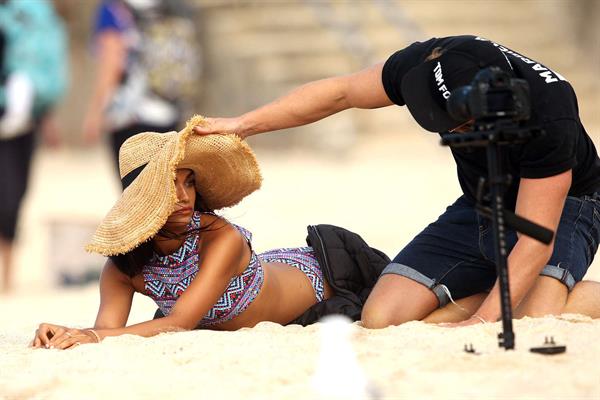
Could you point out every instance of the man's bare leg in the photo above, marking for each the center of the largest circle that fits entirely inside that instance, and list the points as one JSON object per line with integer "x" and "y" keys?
{"x": 396, "y": 299}
{"x": 584, "y": 299}
{"x": 463, "y": 309}
{"x": 548, "y": 296}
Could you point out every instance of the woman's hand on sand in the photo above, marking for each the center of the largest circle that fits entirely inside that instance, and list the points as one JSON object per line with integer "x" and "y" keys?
{"x": 220, "y": 126}
{"x": 52, "y": 336}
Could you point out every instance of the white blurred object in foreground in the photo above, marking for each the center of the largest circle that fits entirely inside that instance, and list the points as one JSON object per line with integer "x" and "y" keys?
{"x": 338, "y": 374}
{"x": 19, "y": 104}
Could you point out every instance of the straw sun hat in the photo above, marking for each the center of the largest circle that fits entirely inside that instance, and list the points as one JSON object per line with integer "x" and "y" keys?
{"x": 224, "y": 166}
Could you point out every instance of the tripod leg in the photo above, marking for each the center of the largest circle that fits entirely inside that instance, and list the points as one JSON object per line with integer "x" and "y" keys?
{"x": 497, "y": 188}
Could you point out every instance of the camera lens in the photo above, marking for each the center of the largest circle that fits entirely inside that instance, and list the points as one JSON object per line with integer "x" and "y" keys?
{"x": 458, "y": 104}
{"x": 500, "y": 81}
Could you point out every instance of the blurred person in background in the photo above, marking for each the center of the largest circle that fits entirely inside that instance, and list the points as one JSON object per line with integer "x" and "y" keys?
{"x": 148, "y": 66}
{"x": 33, "y": 65}
{"x": 556, "y": 184}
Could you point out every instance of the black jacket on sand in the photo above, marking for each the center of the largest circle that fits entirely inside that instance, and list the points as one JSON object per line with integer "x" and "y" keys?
{"x": 350, "y": 266}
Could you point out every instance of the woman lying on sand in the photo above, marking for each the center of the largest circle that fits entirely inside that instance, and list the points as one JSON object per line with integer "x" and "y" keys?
{"x": 164, "y": 241}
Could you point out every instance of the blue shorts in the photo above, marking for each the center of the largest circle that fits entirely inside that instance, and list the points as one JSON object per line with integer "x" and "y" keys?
{"x": 455, "y": 254}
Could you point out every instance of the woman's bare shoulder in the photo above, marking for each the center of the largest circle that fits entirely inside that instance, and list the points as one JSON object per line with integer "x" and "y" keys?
{"x": 215, "y": 227}
{"x": 223, "y": 243}
{"x": 210, "y": 219}
{"x": 113, "y": 273}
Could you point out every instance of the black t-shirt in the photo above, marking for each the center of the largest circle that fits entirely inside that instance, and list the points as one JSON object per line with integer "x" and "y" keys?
{"x": 566, "y": 145}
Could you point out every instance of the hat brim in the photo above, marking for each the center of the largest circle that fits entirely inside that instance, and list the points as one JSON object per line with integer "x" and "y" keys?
{"x": 144, "y": 206}
{"x": 416, "y": 89}
{"x": 225, "y": 170}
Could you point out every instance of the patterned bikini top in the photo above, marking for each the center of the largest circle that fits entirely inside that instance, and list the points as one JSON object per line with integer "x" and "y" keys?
{"x": 166, "y": 277}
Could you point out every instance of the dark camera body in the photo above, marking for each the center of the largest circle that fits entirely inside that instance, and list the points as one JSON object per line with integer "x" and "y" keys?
{"x": 493, "y": 94}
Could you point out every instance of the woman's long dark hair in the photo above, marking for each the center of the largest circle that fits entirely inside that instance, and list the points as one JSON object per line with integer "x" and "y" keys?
{"x": 133, "y": 262}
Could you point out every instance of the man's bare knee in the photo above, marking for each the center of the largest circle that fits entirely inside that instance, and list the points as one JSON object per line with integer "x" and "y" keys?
{"x": 584, "y": 299}
{"x": 547, "y": 297}
{"x": 374, "y": 317}
{"x": 395, "y": 300}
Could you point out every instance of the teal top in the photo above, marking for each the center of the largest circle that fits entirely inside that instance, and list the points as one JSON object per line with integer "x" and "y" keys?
{"x": 35, "y": 45}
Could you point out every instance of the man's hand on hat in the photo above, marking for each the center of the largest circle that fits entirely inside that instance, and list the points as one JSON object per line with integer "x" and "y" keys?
{"x": 220, "y": 126}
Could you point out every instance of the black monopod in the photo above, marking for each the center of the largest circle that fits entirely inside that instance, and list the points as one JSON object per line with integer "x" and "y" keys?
{"x": 499, "y": 104}
{"x": 494, "y": 136}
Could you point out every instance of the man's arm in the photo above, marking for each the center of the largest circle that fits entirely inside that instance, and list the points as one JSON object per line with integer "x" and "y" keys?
{"x": 541, "y": 201}
{"x": 306, "y": 104}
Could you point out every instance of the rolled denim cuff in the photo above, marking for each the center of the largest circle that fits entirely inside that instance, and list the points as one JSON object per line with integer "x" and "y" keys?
{"x": 559, "y": 273}
{"x": 440, "y": 291}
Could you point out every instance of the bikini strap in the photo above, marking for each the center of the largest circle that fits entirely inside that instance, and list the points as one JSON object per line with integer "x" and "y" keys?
{"x": 246, "y": 233}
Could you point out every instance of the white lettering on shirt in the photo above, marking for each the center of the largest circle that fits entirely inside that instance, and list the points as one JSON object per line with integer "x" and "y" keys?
{"x": 439, "y": 79}
{"x": 548, "y": 75}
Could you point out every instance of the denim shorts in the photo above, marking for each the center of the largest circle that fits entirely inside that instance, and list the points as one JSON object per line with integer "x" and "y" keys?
{"x": 455, "y": 254}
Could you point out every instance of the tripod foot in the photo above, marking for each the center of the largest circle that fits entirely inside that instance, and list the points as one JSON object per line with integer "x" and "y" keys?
{"x": 549, "y": 347}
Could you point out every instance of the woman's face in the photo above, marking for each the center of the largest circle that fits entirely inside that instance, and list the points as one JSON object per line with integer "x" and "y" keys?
{"x": 185, "y": 186}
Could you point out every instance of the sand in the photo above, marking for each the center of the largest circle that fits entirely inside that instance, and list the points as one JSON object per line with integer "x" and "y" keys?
{"x": 411, "y": 361}
{"x": 387, "y": 190}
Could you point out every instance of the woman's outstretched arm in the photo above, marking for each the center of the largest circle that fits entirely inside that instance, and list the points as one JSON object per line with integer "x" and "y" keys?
{"x": 116, "y": 296}
{"x": 226, "y": 252}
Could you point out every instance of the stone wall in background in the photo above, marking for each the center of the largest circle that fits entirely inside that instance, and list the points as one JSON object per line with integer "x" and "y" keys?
{"x": 254, "y": 51}
{"x": 585, "y": 22}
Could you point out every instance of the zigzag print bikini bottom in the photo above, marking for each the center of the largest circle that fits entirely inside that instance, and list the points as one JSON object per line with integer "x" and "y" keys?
{"x": 302, "y": 258}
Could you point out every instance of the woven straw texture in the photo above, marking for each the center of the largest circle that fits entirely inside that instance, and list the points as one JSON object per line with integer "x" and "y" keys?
{"x": 225, "y": 167}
